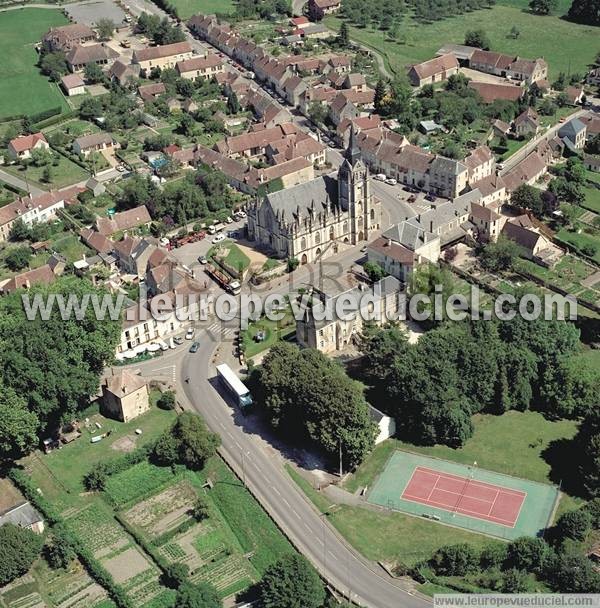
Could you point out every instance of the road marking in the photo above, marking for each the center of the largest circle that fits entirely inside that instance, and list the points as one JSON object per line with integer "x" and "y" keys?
{"x": 276, "y": 491}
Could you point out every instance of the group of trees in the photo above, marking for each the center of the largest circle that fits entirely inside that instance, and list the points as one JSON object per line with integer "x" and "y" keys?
{"x": 387, "y": 15}
{"x": 160, "y": 31}
{"x": 19, "y": 548}
{"x": 197, "y": 195}
{"x": 585, "y": 11}
{"x": 432, "y": 388}
{"x": 516, "y": 567}
{"x": 540, "y": 203}
{"x": 307, "y": 396}
{"x": 263, "y": 9}
{"x": 50, "y": 367}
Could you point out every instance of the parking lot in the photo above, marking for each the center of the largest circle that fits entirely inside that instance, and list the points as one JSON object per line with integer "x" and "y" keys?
{"x": 91, "y": 12}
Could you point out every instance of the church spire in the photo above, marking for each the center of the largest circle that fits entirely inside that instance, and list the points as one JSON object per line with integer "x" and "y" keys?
{"x": 352, "y": 151}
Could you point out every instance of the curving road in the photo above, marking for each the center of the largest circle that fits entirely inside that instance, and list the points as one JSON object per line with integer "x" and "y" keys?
{"x": 261, "y": 468}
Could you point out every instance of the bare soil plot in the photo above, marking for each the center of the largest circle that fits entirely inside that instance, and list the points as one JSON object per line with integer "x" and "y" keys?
{"x": 126, "y": 565}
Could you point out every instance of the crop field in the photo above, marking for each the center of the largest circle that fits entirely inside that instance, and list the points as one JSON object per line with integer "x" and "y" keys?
{"x": 538, "y": 36}
{"x": 23, "y": 89}
{"x": 187, "y": 8}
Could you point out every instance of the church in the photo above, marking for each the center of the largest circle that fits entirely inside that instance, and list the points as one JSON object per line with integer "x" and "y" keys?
{"x": 314, "y": 218}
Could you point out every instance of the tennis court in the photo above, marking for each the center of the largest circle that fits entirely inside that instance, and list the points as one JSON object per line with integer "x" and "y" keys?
{"x": 464, "y": 496}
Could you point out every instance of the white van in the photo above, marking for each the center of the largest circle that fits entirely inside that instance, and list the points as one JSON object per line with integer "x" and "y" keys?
{"x": 380, "y": 177}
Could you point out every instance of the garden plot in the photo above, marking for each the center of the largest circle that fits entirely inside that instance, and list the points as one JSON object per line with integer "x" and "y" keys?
{"x": 44, "y": 587}
{"x": 116, "y": 551}
{"x": 163, "y": 512}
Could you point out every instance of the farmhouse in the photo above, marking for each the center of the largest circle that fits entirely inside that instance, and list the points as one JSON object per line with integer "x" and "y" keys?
{"x": 509, "y": 66}
{"x": 124, "y": 396}
{"x": 491, "y": 92}
{"x": 591, "y": 162}
{"x": 434, "y": 70}
{"x": 573, "y": 134}
{"x": 42, "y": 275}
{"x": 162, "y": 57}
{"x": 527, "y": 123}
{"x": 255, "y": 143}
{"x": 148, "y": 92}
{"x": 22, "y": 146}
{"x": 317, "y": 9}
{"x": 528, "y": 171}
{"x": 200, "y": 67}
{"x": 123, "y": 73}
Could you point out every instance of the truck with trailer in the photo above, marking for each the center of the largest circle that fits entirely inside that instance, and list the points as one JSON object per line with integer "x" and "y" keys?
{"x": 234, "y": 386}
{"x": 225, "y": 281}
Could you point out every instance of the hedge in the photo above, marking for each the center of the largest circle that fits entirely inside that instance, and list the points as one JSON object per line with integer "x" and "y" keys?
{"x": 53, "y": 120}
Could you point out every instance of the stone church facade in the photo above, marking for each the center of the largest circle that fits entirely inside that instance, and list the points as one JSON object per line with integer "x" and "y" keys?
{"x": 311, "y": 220}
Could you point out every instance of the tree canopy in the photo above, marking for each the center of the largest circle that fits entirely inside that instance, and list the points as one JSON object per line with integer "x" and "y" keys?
{"x": 19, "y": 548}
{"x": 306, "y": 395}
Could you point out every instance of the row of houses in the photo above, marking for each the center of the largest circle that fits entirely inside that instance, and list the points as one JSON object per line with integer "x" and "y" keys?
{"x": 344, "y": 94}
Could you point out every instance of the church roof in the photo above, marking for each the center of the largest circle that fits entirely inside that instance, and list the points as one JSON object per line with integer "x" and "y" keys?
{"x": 321, "y": 192}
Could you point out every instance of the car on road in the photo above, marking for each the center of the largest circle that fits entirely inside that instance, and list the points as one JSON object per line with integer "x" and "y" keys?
{"x": 391, "y": 181}
{"x": 203, "y": 260}
{"x": 431, "y": 198}
{"x": 412, "y": 198}
{"x": 194, "y": 347}
{"x": 178, "y": 340}
{"x": 219, "y": 238}
{"x": 189, "y": 334}
{"x": 241, "y": 214}
{"x": 232, "y": 234}
{"x": 380, "y": 177}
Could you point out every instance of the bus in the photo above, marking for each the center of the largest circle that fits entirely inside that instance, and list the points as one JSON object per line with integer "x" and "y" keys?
{"x": 234, "y": 385}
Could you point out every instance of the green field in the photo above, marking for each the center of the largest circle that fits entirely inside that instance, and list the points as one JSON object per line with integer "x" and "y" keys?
{"x": 592, "y": 198}
{"x": 187, "y": 8}
{"x": 23, "y": 90}
{"x": 538, "y": 38}
{"x": 65, "y": 174}
{"x": 580, "y": 237}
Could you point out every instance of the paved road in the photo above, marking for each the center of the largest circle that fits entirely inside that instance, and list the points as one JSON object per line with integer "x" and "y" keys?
{"x": 9, "y": 178}
{"x": 521, "y": 153}
{"x": 261, "y": 466}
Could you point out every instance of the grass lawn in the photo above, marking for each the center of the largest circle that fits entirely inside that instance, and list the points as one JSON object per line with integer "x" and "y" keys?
{"x": 512, "y": 444}
{"x": 66, "y": 467}
{"x": 275, "y": 331}
{"x": 187, "y": 8}
{"x": 512, "y": 145}
{"x": 592, "y": 198}
{"x": 579, "y": 238}
{"x": 23, "y": 89}
{"x": 537, "y": 39}
{"x": 236, "y": 258}
{"x": 65, "y": 174}
{"x": 387, "y": 536}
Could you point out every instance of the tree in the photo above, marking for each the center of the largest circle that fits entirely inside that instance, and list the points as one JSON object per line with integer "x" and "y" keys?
{"x": 380, "y": 93}
{"x": 18, "y": 258}
{"x": 374, "y": 271}
{"x": 19, "y": 231}
{"x": 515, "y": 581}
{"x": 105, "y": 28}
{"x": 47, "y": 174}
{"x": 501, "y": 255}
{"x": 529, "y": 554}
{"x": 308, "y": 396}
{"x": 55, "y": 363}
{"x": 344, "y": 35}
{"x": 91, "y": 107}
{"x": 54, "y": 65}
{"x": 574, "y": 524}
{"x": 202, "y": 595}
{"x": 18, "y": 426}
{"x": 515, "y": 32}
{"x": 59, "y": 552}
{"x": 573, "y": 573}
{"x": 93, "y": 73}
{"x": 201, "y": 510}
{"x": 292, "y": 264}
{"x": 455, "y": 560}
{"x": 543, "y": 7}
{"x": 188, "y": 442}
{"x": 233, "y": 104}
{"x": 528, "y": 197}
{"x": 175, "y": 575}
{"x": 547, "y": 107}
{"x": 585, "y": 11}
{"x": 477, "y": 38}
{"x": 167, "y": 400}
{"x": 291, "y": 582}
{"x": 19, "y": 548}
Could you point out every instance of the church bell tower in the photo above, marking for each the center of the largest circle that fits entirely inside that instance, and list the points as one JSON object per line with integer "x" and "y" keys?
{"x": 353, "y": 190}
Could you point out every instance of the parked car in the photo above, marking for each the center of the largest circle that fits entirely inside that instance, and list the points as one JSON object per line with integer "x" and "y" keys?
{"x": 178, "y": 340}
{"x": 189, "y": 334}
{"x": 431, "y": 198}
{"x": 391, "y": 181}
{"x": 242, "y": 213}
{"x": 202, "y": 259}
{"x": 229, "y": 220}
{"x": 219, "y": 238}
{"x": 380, "y": 177}
{"x": 412, "y": 198}
{"x": 194, "y": 347}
